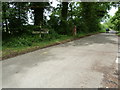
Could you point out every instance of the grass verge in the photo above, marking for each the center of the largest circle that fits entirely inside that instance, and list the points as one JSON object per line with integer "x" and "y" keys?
{"x": 118, "y": 34}
{"x": 8, "y": 52}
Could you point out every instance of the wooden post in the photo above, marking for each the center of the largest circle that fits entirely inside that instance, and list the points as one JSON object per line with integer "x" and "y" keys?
{"x": 40, "y": 31}
{"x": 74, "y": 31}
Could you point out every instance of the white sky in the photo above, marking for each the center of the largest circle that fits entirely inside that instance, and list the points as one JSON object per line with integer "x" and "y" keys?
{"x": 113, "y": 11}
{"x": 54, "y": 3}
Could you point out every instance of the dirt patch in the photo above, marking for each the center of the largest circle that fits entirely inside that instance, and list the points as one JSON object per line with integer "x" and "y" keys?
{"x": 111, "y": 79}
{"x": 13, "y": 54}
{"x": 110, "y": 75}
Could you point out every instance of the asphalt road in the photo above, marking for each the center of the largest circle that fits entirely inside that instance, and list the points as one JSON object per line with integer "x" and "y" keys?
{"x": 78, "y": 64}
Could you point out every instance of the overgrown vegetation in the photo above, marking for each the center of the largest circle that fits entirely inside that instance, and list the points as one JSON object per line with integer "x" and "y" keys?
{"x": 114, "y": 22}
{"x": 18, "y": 33}
{"x": 21, "y": 46}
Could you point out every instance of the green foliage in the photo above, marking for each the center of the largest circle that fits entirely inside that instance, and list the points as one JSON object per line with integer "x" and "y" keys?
{"x": 90, "y": 15}
{"x": 54, "y": 22}
{"x": 52, "y": 35}
{"x": 104, "y": 26}
{"x": 29, "y": 39}
{"x": 14, "y": 16}
{"x": 85, "y": 16}
{"x": 24, "y": 40}
{"x": 38, "y": 11}
{"x": 115, "y": 20}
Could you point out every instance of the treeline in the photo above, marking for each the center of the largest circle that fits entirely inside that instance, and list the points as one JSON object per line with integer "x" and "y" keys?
{"x": 113, "y": 22}
{"x": 86, "y": 16}
{"x": 16, "y": 30}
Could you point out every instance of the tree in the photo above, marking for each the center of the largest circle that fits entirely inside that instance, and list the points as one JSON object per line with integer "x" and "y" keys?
{"x": 19, "y": 15}
{"x": 64, "y": 11}
{"x": 38, "y": 8}
{"x": 5, "y": 7}
{"x": 14, "y": 16}
{"x": 115, "y": 20}
{"x": 92, "y": 13}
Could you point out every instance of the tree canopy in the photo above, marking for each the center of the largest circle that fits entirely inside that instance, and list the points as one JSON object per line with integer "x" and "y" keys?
{"x": 85, "y": 16}
{"x": 115, "y": 20}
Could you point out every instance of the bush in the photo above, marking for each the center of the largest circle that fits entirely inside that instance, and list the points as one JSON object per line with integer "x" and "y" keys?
{"x": 23, "y": 40}
{"x": 29, "y": 39}
{"x": 51, "y": 35}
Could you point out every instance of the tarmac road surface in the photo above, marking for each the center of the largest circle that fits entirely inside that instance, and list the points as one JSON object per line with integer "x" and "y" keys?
{"x": 78, "y": 64}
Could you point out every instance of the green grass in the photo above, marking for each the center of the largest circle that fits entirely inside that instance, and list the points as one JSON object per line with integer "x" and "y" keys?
{"x": 103, "y": 31}
{"x": 18, "y": 45}
{"x": 7, "y": 50}
{"x": 118, "y": 33}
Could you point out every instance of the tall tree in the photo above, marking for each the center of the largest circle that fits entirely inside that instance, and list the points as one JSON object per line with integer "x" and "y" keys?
{"x": 64, "y": 11}
{"x": 5, "y": 7}
{"x": 115, "y": 20}
{"x": 38, "y": 8}
{"x": 14, "y": 16}
{"x": 92, "y": 13}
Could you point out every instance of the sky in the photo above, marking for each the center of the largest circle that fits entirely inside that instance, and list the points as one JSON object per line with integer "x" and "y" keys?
{"x": 54, "y": 3}
{"x": 112, "y": 11}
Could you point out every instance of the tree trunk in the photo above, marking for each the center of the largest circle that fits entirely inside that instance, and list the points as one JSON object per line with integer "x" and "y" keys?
{"x": 6, "y": 25}
{"x": 64, "y": 10}
{"x": 38, "y": 16}
{"x": 63, "y": 22}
